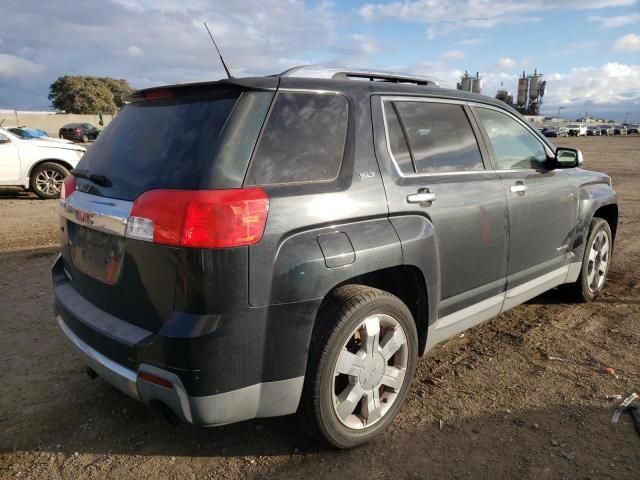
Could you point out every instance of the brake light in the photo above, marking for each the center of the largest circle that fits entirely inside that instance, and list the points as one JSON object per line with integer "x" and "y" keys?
{"x": 200, "y": 218}
{"x": 158, "y": 93}
{"x": 77, "y": 130}
{"x": 68, "y": 187}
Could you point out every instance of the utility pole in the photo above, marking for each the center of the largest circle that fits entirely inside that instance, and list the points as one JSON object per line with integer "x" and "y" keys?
{"x": 626, "y": 117}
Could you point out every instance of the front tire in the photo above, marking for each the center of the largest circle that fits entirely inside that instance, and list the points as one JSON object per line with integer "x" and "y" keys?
{"x": 596, "y": 261}
{"x": 47, "y": 178}
{"x": 361, "y": 364}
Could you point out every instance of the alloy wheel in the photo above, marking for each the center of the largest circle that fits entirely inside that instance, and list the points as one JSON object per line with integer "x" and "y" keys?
{"x": 598, "y": 261}
{"x": 370, "y": 371}
{"x": 49, "y": 182}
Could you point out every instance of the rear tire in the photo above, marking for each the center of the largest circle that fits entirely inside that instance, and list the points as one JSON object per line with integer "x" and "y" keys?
{"x": 596, "y": 261}
{"x": 47, "y": 178}
{"x": 361, "y": 364}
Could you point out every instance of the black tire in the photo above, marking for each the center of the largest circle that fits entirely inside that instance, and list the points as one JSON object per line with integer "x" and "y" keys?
{"x": 41, "y": 186}
{"x": 340, "y": 314}
{"x": 85, "y": 139}
{"x": 583, "y": 289}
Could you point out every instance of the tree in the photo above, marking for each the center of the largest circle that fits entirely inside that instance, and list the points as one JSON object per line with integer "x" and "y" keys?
{"x": 83, "y": 94}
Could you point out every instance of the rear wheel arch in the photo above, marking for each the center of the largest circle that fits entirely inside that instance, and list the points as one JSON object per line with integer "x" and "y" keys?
{"x": 407, "y": 282}
{"x": 62, "y": 163}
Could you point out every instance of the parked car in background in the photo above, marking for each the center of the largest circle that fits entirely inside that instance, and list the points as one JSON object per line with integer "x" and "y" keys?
{"x": 593, "y": 131}
{"x": 38, "y": 165}
{"x": 577, "y": 130}
{"x": 619, "y": 130}
{"x": 606, "y": 129}
{"x": 79, "y": 132}
{"x": 633, "y": 129}
{"x": 34, "y": 134}
{"x": 556, "y": 132}
{"x": 295, "y": 242}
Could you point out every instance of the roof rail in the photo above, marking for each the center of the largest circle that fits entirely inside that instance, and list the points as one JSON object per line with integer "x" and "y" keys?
{"x": 345, "y": 73}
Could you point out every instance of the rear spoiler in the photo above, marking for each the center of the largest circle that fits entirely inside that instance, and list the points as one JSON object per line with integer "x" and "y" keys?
{"x": 168, "y": 91}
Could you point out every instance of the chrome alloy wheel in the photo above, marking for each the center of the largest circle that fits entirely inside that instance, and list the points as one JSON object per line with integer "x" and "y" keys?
{"x": 369, "y": 371}
{"x": 598, "y": 261}
{"x": 49, "y": 182}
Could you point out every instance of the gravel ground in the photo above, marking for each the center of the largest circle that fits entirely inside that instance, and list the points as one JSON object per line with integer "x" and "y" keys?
{"x": 486, "y": 404}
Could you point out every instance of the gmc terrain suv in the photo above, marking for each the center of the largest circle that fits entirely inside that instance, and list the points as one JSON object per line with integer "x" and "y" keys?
{"x": 291, "y": 244}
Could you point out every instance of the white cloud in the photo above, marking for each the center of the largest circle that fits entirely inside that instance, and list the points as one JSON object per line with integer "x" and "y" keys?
{"x": 364, "y": 44}
{"x": 135, "y": 51}
{"x": 505, "y": 63}
{"x": 615, "y": 22}
{"x": 470, "y": 41}
{"x": 627, "y": 43}
{"x": 451, "y": 54}
{"x": 445, "y": 16}
{"x": 16, "y": 67}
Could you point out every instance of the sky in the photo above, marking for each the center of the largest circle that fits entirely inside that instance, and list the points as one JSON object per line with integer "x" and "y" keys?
{"x": 588, "y": 50}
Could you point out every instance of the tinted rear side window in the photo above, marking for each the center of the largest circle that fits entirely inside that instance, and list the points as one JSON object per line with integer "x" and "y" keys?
{"x": 159, "y": 144}
{"x": 397, "y": 140}
{"x": 303, "y": 140}
{"x": 440, "y": 137}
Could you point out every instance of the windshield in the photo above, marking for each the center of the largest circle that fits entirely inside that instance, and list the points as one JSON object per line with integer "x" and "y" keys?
{"x": 158, "y": 144}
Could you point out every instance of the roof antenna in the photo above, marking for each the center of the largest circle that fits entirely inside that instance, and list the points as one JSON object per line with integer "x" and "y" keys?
{"x": 218, "y": 50}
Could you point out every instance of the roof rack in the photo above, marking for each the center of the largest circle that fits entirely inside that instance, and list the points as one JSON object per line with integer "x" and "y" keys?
{"x": 345, "y": 73}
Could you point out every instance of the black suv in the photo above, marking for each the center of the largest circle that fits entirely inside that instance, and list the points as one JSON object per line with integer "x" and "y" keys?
{"x": 79, "y": 132}
{"x": 265, "y": 246}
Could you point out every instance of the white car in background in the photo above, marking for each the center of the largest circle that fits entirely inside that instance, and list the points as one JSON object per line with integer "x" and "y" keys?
{"x": 577, "y": 130}
{"x": 40, "y": 166}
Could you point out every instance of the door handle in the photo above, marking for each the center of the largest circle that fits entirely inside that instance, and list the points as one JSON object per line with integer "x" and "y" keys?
{"x": 518, "y": 188}
{"x": 423, "y": 196}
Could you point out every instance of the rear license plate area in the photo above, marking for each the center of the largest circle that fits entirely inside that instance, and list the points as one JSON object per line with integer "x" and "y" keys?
{"x": 95, "y": 253}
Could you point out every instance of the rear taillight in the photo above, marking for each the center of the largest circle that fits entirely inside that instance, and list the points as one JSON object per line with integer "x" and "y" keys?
{"x": 200, "y": 218}
{"x": 68, "y": 187}
{"x": 77, "y": 130}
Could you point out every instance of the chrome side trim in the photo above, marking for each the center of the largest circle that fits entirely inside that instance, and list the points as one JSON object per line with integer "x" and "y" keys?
{"x": 107, "y": 215}
{"x": 574, "y": 272}
{"x": 535, "y": 287}
{"x": 120, "y": 377}
{"x": 448, "y": 326}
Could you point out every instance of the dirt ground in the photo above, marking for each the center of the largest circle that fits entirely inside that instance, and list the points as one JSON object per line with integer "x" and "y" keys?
{"x": 487, "y": 404}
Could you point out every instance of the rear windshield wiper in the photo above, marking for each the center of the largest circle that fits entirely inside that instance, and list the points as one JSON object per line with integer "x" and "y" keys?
{"x": 101, "y": 180}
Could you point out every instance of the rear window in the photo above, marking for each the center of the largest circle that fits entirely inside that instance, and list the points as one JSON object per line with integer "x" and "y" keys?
{"x": 158, "y": 144}
{"x": 303, "y": 140}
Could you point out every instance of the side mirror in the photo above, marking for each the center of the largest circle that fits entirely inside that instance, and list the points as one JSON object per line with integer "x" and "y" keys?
{"x": 568, "y": 157}
{"x": 4, "y": 140}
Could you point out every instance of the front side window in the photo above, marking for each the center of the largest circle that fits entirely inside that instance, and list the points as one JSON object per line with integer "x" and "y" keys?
{"x": 514, "y": 146}
{"x": 439, "y": 137}
{"x": 303, "y": 140}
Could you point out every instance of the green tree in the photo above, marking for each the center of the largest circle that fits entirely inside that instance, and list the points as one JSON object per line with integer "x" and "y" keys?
{"x": 83, "y": 94}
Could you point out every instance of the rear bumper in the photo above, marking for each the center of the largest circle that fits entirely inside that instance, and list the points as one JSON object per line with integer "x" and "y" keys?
{"x": 263, "y": 400}
{"x": 184, "y": 373}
